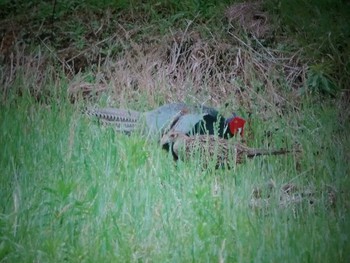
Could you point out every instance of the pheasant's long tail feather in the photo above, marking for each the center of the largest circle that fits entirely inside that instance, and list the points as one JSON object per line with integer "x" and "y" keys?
{"x": 122, "y": 120}
{"x": 251, "y": 152}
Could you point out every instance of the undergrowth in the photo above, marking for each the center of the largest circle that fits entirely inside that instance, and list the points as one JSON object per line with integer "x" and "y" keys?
{"x": 74, "y": 191}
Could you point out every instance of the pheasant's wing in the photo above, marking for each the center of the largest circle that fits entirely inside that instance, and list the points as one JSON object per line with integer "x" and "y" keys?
{"x": 123, "y": 120}
{"x": 194, "y": 118}
{"x": 159, "y": 119}
{"x": 187, "y": 122}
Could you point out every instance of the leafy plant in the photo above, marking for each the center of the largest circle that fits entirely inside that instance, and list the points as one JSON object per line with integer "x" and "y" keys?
{"x": 318, "y": 80}
{"x": 321, "y": 31}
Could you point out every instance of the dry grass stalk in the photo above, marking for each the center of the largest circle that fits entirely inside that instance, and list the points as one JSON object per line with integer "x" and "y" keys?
{"x": 251, "y": 17}
{"x": 181, "y": 65}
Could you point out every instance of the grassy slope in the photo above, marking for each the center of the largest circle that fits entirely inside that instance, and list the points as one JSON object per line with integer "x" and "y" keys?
{"x": 72, "y": 191}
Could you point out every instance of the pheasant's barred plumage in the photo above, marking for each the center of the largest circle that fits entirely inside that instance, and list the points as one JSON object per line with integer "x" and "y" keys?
{"x": 190, "y": 119}
{"x": 123, "y": 120}
{"x": 225, "y": 153}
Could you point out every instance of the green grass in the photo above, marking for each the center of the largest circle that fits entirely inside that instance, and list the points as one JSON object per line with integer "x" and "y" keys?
{"x": 73, "y": 191}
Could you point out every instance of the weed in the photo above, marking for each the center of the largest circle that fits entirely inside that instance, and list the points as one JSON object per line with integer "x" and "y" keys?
{"x": 75, "y": 191}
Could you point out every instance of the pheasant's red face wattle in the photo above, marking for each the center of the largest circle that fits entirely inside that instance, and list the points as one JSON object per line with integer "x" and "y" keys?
{"x": 236, "y": 125}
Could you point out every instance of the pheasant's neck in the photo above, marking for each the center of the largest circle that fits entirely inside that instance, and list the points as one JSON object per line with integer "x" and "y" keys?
{"x": 179, "y": 148}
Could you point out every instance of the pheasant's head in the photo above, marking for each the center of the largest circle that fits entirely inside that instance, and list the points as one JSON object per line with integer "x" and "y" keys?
{"x": 172, "y": 141}
{"x": 171, "y": 137}
{"x": 236, "y": 125}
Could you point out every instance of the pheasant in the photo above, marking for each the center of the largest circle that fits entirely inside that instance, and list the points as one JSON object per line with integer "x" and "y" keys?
{"x": 224, "y": 153}
{"x": 196, "y": 119}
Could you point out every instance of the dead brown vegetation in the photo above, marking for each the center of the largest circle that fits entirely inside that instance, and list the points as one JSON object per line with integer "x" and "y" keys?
{"x": 186, "y": 64}
{"x": 251, "y": 17}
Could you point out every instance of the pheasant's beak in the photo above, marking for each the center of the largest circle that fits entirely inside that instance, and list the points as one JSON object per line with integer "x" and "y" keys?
{"x": 236, "y": 126}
